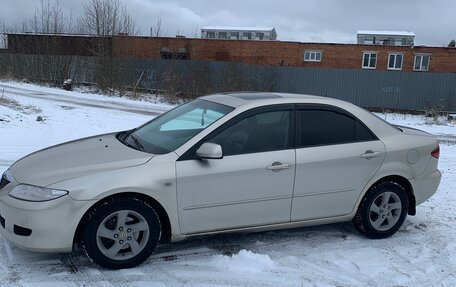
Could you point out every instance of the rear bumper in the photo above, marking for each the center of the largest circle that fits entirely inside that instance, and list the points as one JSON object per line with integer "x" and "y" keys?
{"x": 425, "y": 186}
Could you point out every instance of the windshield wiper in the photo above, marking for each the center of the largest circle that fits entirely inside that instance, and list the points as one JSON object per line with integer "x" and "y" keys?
{"x": 136, "y": 141}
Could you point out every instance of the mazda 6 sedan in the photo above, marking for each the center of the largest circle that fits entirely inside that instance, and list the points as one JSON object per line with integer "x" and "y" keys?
{"x": 232, "y": 162}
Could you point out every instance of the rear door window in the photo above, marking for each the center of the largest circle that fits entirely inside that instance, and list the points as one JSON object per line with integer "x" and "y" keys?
{"x": 327, "y": 127}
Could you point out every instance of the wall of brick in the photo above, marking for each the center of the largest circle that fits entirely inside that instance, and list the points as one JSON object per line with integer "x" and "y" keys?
{"x": 273, "y": 53}
{"x": 280, "y": 53}
{"x": 70, "y": 45}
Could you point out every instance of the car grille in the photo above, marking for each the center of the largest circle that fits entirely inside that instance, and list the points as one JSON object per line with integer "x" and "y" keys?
{"x": 21, "y": 231}
{"x": 2, "y": 221}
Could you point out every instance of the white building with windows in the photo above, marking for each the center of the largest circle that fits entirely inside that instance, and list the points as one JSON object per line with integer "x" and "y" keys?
{"x": 239, "y": 33}
{"x": 392, "y": 38}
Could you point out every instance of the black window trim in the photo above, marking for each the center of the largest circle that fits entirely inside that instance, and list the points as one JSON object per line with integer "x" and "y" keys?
{"x": 190, "y": 154}
{"x": 324, "y": 107}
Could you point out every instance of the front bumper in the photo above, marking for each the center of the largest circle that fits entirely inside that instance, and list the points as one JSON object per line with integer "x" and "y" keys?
{"x": 52, "y": 224}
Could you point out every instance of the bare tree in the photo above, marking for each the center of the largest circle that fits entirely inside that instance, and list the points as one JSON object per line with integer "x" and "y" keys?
{"x": 3, "y": 39}
{"x": 104, "y": 18}
{"x": 179, "y": 32}
{"x": 196, "y": 32}
{"x": 156, "y": 30}
{"x": 107, "y": 18}
{"x": 49, "y": 18}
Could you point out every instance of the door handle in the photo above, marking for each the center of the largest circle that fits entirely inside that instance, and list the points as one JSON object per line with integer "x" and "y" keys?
{"x": 369, "y": 154}
{"x": 278, "y": 166}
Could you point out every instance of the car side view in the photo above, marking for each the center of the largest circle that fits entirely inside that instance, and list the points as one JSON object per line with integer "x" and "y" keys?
{"x": 234, "y": 162}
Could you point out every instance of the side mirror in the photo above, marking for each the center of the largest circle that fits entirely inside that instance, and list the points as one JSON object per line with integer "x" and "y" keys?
{"x": 210, "y": 150}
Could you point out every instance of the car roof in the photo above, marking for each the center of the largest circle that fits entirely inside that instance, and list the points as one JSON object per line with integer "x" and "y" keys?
{"x": 237, "y": 99}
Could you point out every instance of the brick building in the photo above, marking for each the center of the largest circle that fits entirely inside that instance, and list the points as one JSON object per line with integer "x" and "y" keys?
{"x": 293, "y": 54}
{"x": 419, "y": 59}
{"x": 58, "y": 44}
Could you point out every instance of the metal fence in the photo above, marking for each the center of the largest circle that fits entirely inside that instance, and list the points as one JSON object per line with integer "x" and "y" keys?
{"x": 374, "y": 89}
{"x": 367, "y": 88}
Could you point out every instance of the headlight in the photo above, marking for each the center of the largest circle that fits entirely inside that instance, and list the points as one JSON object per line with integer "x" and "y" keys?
{"x": 35, "y": 193}
{"x": 7, "y": 174}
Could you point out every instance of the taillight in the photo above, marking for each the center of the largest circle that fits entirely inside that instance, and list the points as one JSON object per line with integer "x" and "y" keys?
{"x": 436, "y": 152}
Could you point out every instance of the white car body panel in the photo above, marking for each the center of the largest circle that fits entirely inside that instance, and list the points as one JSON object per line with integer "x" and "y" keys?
{"x": 235, "y": 191}
{"x": 325, "y": 185}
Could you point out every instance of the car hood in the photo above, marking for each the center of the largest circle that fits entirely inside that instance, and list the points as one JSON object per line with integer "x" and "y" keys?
{"x": 76, "y": 158}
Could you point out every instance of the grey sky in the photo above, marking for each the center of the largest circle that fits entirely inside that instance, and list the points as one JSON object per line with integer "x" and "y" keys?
{"x": 433, "y": 21}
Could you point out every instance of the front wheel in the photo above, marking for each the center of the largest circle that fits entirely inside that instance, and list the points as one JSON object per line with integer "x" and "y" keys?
{"x": 121, "y": 233}
{"x": 382, "y": 211}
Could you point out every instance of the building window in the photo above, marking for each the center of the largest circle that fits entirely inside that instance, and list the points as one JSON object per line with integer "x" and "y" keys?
{"x": 235, "y": 35}
{"x": 181, "y": 54}
{"x": 369, "y": 60}
{"x": 395, "y": 61}
{"x": 421, "y": 63}
{"x": 369, "y": 40}
{"x": 223, "y": 35}
{"x": 259, "y": 36}
{"x": 211, "y": 35}
{"x": 247, "y": 35}
{"x": 398, "y": 42}
{"x": 312, "y": 56}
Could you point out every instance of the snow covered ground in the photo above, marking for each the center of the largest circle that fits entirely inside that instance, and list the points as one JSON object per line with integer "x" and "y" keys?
{"x": 422, "y": 253}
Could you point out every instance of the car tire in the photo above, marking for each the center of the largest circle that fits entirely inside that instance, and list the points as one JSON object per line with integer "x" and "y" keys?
{"x": 382, "y": 210}
{"x": 121, "y": 233}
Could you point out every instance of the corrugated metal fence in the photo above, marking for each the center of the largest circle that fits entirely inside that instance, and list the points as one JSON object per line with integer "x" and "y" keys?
{"x": 367, "y": 88}
{"x": 375, "y": 89}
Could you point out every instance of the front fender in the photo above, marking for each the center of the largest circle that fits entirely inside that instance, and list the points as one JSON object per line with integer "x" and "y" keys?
{"x": 155, "y": 179}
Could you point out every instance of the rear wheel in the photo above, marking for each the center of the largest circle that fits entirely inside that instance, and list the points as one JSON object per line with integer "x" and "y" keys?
{"x": 382, "y": 211}
{"x": 121, "y": 233}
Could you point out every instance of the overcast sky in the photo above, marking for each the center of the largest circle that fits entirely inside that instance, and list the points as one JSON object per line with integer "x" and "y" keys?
{"x": 333, "y": 21}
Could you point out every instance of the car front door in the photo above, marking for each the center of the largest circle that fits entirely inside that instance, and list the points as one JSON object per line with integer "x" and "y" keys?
{"x": 336, "y": 155}
{"x": 251, "y": 185}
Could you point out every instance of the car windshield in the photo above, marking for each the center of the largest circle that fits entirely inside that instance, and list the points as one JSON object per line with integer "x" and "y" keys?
{"x": 172, "y": 129}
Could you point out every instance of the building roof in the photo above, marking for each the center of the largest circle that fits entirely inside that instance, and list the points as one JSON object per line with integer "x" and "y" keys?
{"x": 389, "y": 33}
{"x": 232, "y": 28}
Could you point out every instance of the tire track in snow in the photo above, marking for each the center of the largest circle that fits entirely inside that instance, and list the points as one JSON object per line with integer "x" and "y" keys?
{"x": 94, "y": 103}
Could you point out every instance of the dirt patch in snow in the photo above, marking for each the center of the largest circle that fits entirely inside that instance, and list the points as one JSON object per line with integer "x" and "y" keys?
{"x": 14, "y": 105}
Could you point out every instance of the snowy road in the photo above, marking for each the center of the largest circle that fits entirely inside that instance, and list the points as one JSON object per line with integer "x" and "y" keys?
{"x": 422, "y": 253}
{"x": 78, "y": 99}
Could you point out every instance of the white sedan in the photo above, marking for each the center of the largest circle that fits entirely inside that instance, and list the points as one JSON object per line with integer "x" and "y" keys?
{"x": 233, "y": 162}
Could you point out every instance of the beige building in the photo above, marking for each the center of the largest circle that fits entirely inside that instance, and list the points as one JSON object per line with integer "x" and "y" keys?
{"x": 239, "y": 33}
{"x": 391, "y": 38}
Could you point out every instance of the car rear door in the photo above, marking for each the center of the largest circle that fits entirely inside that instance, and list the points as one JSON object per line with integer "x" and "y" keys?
{"x": 251, "y": 185}
{"x": 336, "y": 155}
